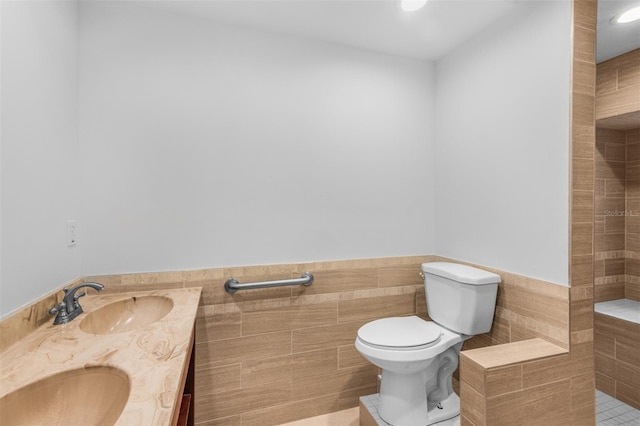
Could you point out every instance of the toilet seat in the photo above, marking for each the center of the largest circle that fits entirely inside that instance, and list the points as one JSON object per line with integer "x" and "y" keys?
{"x": 400, "y": 333}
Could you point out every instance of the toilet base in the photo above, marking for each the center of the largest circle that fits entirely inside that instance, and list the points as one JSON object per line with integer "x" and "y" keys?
{"x": 403, "y": 400}
{"x": 370, "y": 416}
{"x": 447, "y": 409}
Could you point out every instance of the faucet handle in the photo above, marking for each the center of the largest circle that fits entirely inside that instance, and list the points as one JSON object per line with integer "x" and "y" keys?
{"x": 77, "y": 296}
{"x": 60, "y": 307}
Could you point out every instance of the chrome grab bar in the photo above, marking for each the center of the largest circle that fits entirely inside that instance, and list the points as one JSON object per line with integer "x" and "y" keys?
{"x": 232, "y": 285}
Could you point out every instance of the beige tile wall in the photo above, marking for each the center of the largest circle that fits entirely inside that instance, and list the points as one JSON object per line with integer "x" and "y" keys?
{"x": 610, "y": 214}
{"x": 632, "y": 223}
{"x": 618, "y": 86}
{"x": 617, "y": 238}
{"x": 523, "y": 383}
{"x": 618, "y": 179}
{"x": 579, "y": 363}
{"x": 297, "y": 343}
{"x": 531, "y": 382}
{"x": 525, "y": 308}
{"x": 276, "y": 355}
{"x": 617, "y": 356}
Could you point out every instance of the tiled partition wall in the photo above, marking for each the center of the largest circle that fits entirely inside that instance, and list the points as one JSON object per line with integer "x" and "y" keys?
{"x": 617, "y": 352}
{"x": 520, "y": 383}
{"x": 580, "y": 364}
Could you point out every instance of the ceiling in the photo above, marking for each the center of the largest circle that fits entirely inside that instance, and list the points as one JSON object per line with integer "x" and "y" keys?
{"x": 380, "y": 25}
{"x": 614, "y": 40}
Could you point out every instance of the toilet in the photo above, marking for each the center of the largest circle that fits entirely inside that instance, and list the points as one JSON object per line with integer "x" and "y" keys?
{"x": 418, "y": 357}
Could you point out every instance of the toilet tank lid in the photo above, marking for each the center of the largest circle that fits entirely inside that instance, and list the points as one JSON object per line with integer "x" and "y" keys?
{"x": 461, "y": 273}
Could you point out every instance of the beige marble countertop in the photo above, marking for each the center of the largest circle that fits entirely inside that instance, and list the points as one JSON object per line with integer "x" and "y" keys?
{"x": 154, "y": 356}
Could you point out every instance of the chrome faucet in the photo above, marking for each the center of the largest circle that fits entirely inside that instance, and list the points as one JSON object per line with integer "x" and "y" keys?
{"x": 70, "y": 308}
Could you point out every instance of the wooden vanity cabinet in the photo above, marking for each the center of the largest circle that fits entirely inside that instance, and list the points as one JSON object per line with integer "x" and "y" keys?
{"x": 183, "y": 415}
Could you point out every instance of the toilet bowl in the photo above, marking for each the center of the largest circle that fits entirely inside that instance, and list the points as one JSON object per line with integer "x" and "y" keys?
{"x": 414, "y": 355}
{"x": 418, "y": 357}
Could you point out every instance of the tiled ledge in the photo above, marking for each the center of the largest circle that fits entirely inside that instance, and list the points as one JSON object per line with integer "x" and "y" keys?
{"x": 624, "y": 309}
{"x": 512, "y": 353}
{"x": 516, "y": 383}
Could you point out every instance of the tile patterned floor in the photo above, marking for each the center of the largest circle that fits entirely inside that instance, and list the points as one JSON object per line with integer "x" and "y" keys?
{"x": 609, "y": 412}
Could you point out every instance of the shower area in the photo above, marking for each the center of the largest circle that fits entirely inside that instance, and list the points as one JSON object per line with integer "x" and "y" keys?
{"x": 617, "y": 228}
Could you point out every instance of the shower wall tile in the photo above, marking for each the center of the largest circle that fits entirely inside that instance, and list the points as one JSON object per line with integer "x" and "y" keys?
{"x": 609, "y": 290}
{"x": 618, "y": 155}
{"x": 617, "y": 358}
{"x": 610, "y": 211}
{"x": 617, "y": 214}
{"x": 632, "y": 288}
{"x": 618, "y": 85}
{"x": 632, "y": 259}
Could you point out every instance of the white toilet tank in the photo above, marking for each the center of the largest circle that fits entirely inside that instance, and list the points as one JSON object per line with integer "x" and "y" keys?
{"x": 459, "y": 297}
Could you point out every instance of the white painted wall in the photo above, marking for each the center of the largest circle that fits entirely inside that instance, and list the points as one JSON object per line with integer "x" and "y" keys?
{"x": 206, "y": 145}
{"x": 39, "y": 152}
{"x": 502, "y": 153}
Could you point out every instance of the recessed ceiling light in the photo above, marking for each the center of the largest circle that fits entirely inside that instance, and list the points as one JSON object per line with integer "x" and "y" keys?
{"x": 630, "y": 15}
{"x": 411, "y": 5}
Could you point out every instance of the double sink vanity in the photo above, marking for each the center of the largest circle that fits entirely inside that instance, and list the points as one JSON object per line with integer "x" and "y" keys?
{"x": 127, "y": 360}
